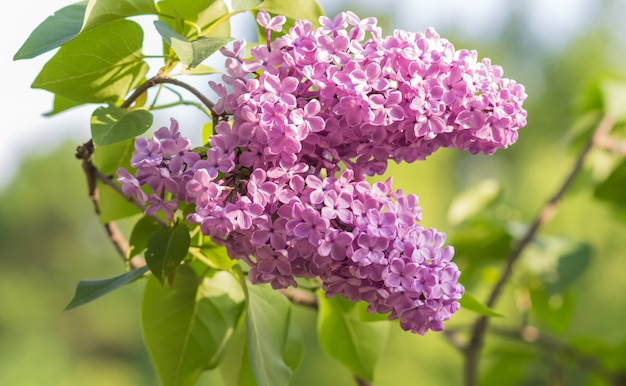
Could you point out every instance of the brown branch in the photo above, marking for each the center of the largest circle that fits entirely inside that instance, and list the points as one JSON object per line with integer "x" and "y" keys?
{"x": 549, "y": 343}
{"x": 361, "y": 382}
{"x": 301, "y": 297}
{"x": 474, "y": 347}
{"x": 161, "y": 80}
{"x": 115, "y": 236}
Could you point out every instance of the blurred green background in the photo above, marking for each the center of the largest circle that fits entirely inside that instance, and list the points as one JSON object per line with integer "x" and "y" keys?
{"x": 50, "y": 238}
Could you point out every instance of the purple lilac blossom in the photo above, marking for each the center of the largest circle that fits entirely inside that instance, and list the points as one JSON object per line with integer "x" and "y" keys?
{"x": 283, "y": 186}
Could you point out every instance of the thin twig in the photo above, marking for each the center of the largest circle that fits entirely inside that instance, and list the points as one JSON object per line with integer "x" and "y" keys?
{"x": 161, "y": 80}
{"x": 297, "y": 296}
{"x": 361, "y": 382}
{"x": 549, "y": 343}
{"x": 115, "y": 236}
{"x": 473, "y": 349}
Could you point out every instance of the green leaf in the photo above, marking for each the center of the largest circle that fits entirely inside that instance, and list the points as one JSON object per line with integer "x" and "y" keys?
{"x": 469, "y": 302}
{"x": 555, "y": 311}
{"x": 188, "y": 327}
{"x": 56, "y": 30}
{"x": 571, "y": 265}
{"x": 355, "y": 344}
{"x": 165, "y": 249}
{"x": 235, "y": 366}
{"x": 613, "y": 189}
{"x": 268, "y": 315}
{"x": 245, "y": 4}
{"x": 88, "y": 290}
{"x": 201, "y": 13}
{"x": 482, "y": 239}
{"x": 200, "y": 69}
{"x": 114, "y": 206}
{"x": 105, "y": 11}
{"x": 107, "y": 159}
{"x": 207, "y": 132}
{"x": 614, "y": 98}
{"x": 190, "y": 53}
{"x": 217, "y": 255}
{"x": 472, "y": 201}
{"x": 61, "y": 104}
{"x": 296, "y": 9}
{"x": 292, "y": 352}
{"x": 140, "y": 234}
{"x": 99, "y": 65}
{"x": 113, "y": 124}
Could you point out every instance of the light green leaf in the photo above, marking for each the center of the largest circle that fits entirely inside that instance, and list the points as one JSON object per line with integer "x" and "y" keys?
{"x": 105, "y": 11}
{"x": 217, "y": 255}
{"x": 114, "y": 206}
{"x": 613, "y": 189}
{"x": 188, "y": 327}
{"x": 140, "y": 234}
{"x": 482, "y": 239}
{"x": 200, "y": 69}
{"x": 99, "y": 65}
{"x": 207, "y": 132}
{"x": 472, "y": 201}
{"x": 296, "y": 9}
{"x": 88, "y": 290}
{"x": 268, "y": 315}
{"x": 344, "y": 337}
{"x": 245, "y": 4}
{"x": 107, "y": 159}
{"x": 56, "y": 30}
{"x": 113, "y": 124}
{"x": 553, "y": 310}
{"x": 235, "y": 366}
{"x": 197, "y": 13}
{"x": 165, "y": 249}
{"x": 469, "y": 302}
{"x": 190, "y": 53}
{"x": 614, "y": 98}
{"x": 61, "y": 104}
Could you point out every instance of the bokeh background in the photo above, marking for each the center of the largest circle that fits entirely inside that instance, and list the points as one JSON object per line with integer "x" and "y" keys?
{"x": 50, "y": 239}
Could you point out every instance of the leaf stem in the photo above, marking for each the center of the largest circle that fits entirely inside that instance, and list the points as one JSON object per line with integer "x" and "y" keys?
{"x": 473, "y": 349}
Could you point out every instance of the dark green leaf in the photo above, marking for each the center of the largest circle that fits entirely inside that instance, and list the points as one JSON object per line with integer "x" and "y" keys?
{"x": 107, "y": 159}
{"x": 471, "y": 202}
{"x": 190, "y": 53}
{"x": 140, "y": 234}
{"x": 99, "y": 65}
{"x": 105, "y": 11}
{"x": 199, "y": 12}
{"x": 355, "y": 344}
{"x": 188, "y": 327}
{"x": 296, "y": 9}
{"x": 268, "y": 316}
{"x": 469, "y": 302}
{"x": 614, "y": 98}
{"x": 57, "y": 29}
{"x": 613, "y": 189}
{"x": 570, "y": 267}
{"x": 88, "y": 290}
{"x": 245, "y": 4}
{"x": 166, "y": 248}
{"x": 114, "y": 206}
{"x": 113, "y": 124}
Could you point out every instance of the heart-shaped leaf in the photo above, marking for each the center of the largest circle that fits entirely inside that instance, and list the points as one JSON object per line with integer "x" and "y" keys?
{"x": 113, "y": 124}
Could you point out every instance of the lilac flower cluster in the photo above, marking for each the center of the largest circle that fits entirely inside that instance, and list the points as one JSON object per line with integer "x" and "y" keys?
{"x": 328, "y": 96}
{"x": 282, "y": 185}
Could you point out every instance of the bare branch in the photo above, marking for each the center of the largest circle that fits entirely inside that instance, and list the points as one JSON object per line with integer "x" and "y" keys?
{"x": 474, "y": 347}
{"x": 533, "y": 336}
{"x": 301, "y": 297}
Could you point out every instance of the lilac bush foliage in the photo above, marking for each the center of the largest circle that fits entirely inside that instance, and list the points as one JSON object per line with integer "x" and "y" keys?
{"x": 301, "y": 124}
